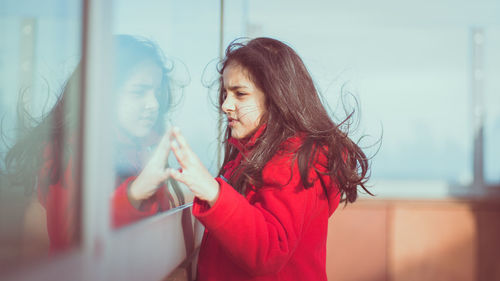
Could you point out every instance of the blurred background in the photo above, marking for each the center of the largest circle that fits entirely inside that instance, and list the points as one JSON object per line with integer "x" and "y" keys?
{"x": 422, "y": 76}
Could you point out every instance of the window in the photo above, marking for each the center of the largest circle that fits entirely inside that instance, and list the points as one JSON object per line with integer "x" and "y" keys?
{"x": 69, "y": 47}
{"x": 181, "y": 93}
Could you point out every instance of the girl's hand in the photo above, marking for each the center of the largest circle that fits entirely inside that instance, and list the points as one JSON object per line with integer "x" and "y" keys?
{"x": 193, "y": 172}
{"x": 152, "y": 175}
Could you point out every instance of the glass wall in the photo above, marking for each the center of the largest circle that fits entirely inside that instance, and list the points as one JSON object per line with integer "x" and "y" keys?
{"x": 162, "y": 70}
{"x": 40, "y": 81}
{"x": 162, "y": 76}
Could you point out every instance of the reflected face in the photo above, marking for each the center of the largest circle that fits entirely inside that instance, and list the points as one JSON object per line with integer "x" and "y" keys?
{"x": 137, "y": 99}
{"x": 244, "y": 103}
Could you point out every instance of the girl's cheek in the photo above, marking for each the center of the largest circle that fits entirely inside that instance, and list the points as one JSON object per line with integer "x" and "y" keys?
{"x": 132, "y": 104}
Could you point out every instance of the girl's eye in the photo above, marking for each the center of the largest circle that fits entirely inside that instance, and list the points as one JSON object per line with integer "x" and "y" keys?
{"x": 138, "y": 93}
{"x": 240, "y": 94}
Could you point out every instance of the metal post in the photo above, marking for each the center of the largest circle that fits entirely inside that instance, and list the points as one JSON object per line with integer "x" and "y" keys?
{"x": 477, "y": 39}
{"x": 219, "y": 122}
{"x": 27, "y": 43}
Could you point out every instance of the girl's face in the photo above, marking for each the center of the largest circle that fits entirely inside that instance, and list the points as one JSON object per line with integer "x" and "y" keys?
{"x": 137, "y": 99}
{"x": 244, "y": 103}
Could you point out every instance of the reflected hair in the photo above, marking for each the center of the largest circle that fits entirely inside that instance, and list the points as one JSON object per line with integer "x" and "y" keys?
{"x": 51, "y": 137}
{"x": 293, "y": 108}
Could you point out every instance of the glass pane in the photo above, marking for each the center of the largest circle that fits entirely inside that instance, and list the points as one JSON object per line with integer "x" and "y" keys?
{"x": 159, "y": 63}
{"x": 39, "y": 109}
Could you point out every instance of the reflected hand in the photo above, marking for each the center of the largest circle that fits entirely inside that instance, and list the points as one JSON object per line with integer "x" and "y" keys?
{"x": 193, "y": 173}
{"x": 153, "y": 173}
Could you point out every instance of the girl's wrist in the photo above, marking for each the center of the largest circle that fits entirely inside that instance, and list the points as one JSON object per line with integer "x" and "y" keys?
{"x": 211, "y": 201}
{"x": 132, "y": 198}
{"x": 133, "y": 188}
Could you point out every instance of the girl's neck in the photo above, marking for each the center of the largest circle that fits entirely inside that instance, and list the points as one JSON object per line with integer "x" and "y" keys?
{"x": 246, "y": 144}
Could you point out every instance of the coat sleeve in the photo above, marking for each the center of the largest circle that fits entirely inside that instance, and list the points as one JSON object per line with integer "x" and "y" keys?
{"x": 261, "y": 234}
{"x": 125, "y": 213}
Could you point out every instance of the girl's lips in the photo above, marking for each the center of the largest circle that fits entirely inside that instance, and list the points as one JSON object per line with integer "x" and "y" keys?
{"x": 231, "y": 121}
{"x": 147, "y": 120}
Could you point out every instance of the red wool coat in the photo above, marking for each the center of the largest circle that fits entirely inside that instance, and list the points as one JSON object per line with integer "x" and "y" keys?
{"x": 276, "y": 231}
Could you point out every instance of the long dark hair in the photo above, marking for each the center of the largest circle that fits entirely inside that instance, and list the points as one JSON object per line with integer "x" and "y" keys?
{"x": 49, "y": 137}
{"x": 293, "y": 107}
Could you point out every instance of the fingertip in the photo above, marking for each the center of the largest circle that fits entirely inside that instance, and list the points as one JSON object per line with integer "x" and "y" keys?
{"x": 170, "y": 134}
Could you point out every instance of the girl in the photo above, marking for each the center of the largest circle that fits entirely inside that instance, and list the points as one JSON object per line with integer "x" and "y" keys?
{"x": 287, "y": 166}
{"x": 43, "y": 159}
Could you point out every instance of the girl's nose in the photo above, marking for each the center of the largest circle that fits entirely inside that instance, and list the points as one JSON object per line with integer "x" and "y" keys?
{"x": 228, "y": 104}
{"x": 151, "y": 102}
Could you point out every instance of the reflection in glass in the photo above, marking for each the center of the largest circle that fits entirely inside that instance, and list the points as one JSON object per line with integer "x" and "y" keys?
{"x": 169, "y": 25}
{"x": 43, "y": 163}
{"x": 39, "y": 113}
{"x": 141, "y": 89}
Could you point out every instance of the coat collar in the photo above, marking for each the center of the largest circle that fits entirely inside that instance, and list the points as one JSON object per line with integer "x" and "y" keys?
{"x": 246, "y": 144}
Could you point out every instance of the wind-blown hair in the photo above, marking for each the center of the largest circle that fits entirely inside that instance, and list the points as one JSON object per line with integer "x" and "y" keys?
{"x": 293, "y": 107}
{"x": 53, "y": 134}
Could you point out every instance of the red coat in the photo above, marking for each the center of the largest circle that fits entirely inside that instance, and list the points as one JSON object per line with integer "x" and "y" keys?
{"x": 276, "y": 232}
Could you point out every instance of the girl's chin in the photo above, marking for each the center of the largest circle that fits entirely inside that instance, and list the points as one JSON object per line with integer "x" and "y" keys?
{"x": 138, "y": 132}
{"x": 142, "y": 133}
{"x": 238, "y": 135}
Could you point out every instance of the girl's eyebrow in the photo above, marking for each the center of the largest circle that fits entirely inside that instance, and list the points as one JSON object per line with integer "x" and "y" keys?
{"x": 237, "y": 87}
{"x": 142, "y": 86}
